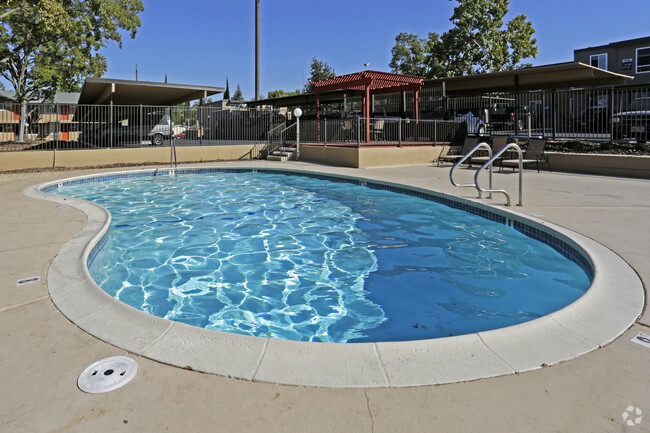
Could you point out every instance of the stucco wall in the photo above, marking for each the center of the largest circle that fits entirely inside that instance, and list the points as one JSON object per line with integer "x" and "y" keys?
{"x": 339, "y": 156}
{"x": 373, "y": 157}
{"x": 609, "y": 165}
{"x": 370, "y": 156}
{"x": 24, "y": 160}
{"x": 92, "y": 157}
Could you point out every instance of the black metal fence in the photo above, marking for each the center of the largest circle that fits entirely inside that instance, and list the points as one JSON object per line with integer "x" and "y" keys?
{"x": 381, "y": 131}
{"x": 613, "y": 114}
{"x": 59, "y": 126}
{"x": 616, "y": 114}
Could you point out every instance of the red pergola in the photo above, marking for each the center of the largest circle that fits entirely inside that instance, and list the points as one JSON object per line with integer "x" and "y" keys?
{"x": 370, "y": 83}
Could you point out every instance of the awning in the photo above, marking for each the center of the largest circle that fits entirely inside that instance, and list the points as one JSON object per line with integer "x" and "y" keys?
{"x": 101, "y": 91}
{"x": 556, "y": 76}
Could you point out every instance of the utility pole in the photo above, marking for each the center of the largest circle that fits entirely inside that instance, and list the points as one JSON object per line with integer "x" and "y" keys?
{"x": 257, "y": 50}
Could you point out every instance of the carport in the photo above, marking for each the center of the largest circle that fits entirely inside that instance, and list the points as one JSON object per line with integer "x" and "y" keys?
{"x": 107, "y": 91}
{"x": 370, "y": 83}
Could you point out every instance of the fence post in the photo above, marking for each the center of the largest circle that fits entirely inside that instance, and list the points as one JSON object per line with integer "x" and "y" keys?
{"x": 358, "y": 132}
{"x": 58, "y": 121}
{"x": 553, "y": 114}
{"x": 399, "y": 133}
{"x": 435, "y": 132}
{"x": 110, "y": 125}
{"x": 324, "y": 132}
{"x": 611, "y": 114}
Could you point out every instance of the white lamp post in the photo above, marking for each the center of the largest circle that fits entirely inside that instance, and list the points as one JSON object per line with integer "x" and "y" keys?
{"x": 297, "y": 112}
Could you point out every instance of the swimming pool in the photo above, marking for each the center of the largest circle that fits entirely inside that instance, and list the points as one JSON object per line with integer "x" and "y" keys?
{"x": 611, "y": 304}
{"x": 312, "y": 259}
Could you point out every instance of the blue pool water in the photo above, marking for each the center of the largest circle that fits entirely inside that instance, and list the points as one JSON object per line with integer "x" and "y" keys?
{"x": 301, "y": 258}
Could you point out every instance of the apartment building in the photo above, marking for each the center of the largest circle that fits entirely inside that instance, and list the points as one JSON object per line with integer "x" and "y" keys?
{"x": 630, "y": 57}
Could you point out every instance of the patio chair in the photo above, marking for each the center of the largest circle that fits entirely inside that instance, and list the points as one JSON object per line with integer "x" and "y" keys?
{"x": 498, "y": 143}
{"x": 348, "y": 130}
{"x": 378, "y": 129}
{"x": 470, "y": 143}
{"x": 534, "y": 154}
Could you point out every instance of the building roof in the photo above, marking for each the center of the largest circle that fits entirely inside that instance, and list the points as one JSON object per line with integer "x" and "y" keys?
{"x": 644, "y": 40}
{"x": 100, "y": 91}
{"x": 555, "y": 76}
{"x": 374, "y": 81}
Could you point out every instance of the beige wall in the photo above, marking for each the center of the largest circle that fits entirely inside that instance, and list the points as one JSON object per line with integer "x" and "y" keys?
{"x": 609, "y": 165}
{"x": 340, "y": 156}
{"x": 23, "y": 160}
{"x": 374, "y": 157}
{"x": 94, "y": 157}
{"x": 370, "y": 156}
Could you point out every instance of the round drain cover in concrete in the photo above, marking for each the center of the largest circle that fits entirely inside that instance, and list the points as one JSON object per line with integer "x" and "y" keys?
{"x": 107, "y": 375}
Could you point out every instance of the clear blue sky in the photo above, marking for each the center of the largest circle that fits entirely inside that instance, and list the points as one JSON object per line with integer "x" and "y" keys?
{"x": 203, "y": 42}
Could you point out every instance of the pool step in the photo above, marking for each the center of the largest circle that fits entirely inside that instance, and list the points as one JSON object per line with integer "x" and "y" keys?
{"x": 282, "y": 154}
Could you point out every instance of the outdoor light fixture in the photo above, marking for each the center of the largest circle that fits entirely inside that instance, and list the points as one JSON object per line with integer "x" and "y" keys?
{"x": 297, "y": 112}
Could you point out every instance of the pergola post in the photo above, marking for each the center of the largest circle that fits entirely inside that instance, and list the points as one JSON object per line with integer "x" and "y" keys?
{"x": 318, "y": 115}
{"x": 416, "y": 108}
{"x": 416, "y": 104}
{"x": 366, "y": 112}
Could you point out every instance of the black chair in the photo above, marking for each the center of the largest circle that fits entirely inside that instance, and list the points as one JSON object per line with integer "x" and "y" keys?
{"x": 498, "y": 143}
{"x": 534, "y": 154}
{"x": 470, "y": 143}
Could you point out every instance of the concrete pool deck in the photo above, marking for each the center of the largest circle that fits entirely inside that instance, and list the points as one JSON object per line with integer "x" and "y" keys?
{"x": 43, "y": 353}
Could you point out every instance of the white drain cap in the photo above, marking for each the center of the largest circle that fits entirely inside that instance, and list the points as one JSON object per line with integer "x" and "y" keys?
{"x": 107, "y": 375}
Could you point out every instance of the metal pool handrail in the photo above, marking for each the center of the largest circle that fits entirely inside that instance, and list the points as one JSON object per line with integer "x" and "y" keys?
{"x": 283, "y": 130}
{"x": 482, "y": 145}
{"x": 489, "y": 164}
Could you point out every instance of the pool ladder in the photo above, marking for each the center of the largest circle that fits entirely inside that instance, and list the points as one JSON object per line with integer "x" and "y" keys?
{"x": 488, "y": 164}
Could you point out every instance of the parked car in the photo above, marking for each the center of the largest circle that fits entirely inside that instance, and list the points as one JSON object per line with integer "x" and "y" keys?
{"x": 634, "y": 123}
{"x": 162, "y": 131}
{"x": 509, "y": 117}
{"x": 130, "y": 128}
{"x": 475, "y": 124}
{"x": 593, "y": 119}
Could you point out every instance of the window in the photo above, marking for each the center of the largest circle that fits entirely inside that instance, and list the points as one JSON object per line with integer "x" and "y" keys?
{"x": 598, "y": 61}
{"x": 642, "y": 60}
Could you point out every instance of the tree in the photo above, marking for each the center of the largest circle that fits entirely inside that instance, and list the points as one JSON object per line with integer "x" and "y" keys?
{"x": 48, "y": 46}
{"x": 280, "y": 93}
{"x": 238, "y": 96}
{"x": 226, "y": 94}
{"x": 478, "y": 43}
{"x": 410, "y": 54}
{"x": 318, "y": 71}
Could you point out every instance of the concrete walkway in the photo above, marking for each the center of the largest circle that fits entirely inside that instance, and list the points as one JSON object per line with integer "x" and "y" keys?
{"x": 42, "y": 353}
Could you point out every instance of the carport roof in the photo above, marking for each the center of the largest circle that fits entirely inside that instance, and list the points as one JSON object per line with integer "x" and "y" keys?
{"x": 555, "y": 76}
{"x": 98, "y": 91}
